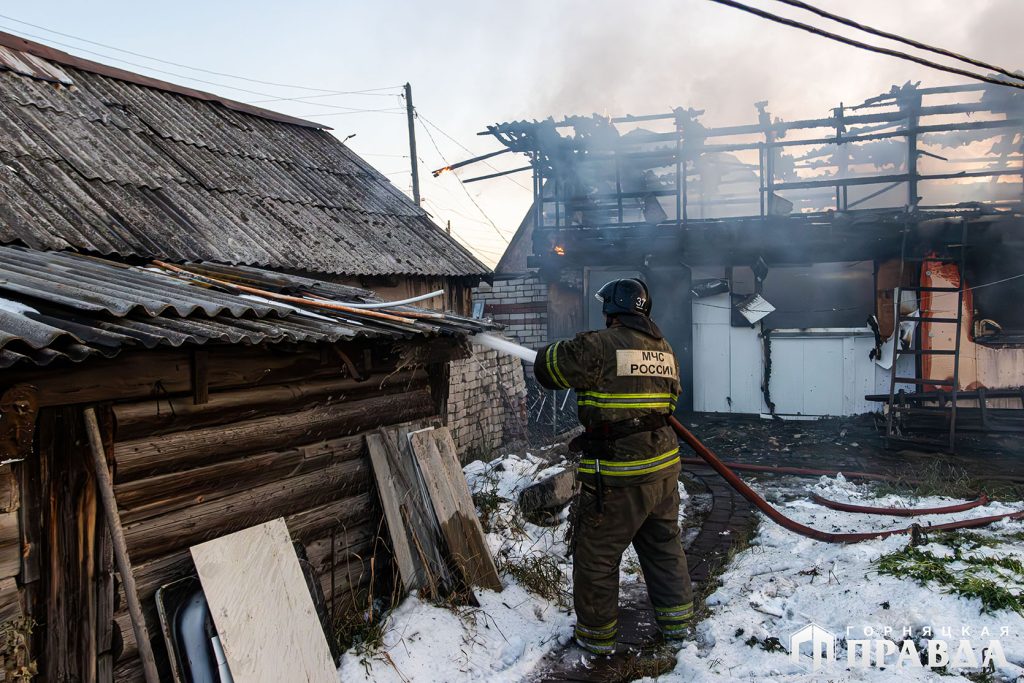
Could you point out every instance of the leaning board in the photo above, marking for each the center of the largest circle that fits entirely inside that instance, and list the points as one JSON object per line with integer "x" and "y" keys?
{"x": 262, "y": 608}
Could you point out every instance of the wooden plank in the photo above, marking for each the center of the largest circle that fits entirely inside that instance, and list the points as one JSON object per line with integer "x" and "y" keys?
{"x": 106, "y": 493}
{"x": 390, "y": 496}
{"x": 200, "y": 376}
{"x": 180, "y": 450}
{"x": 9, "y": 494}
{"x": 10, "y": 544}
{"x": 156, "y": 536}
{"x": 142, "y": 498}
{"x": 10, "y": 600}
{"x": 262, "y": 608}
{"x": 153, "y": 373}
{"x": 417, "y": 511}
{"x": 170, "y": 414}
{"x": 487, "y": 572}
{"x": 458, "y": 529}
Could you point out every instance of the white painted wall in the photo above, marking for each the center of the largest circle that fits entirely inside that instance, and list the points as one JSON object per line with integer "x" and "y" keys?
{"x": 814, "y": 373}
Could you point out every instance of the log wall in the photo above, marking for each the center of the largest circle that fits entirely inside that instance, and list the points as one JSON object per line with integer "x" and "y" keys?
{"x": 279, "y": 436}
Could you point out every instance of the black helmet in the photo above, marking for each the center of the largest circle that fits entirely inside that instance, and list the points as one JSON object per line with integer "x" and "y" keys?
{"x": 625, "y": 296}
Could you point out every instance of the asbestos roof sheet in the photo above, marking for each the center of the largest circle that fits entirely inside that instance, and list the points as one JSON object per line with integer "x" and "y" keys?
{"x": 113, "y": 167}
{"x": 61, "y": 305}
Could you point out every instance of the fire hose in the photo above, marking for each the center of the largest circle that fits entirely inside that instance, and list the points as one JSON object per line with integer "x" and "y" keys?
{"x": 708, "y": 456}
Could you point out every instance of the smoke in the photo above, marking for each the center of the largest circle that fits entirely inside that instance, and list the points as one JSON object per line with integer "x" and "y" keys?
{"x": 655, "y": 55}
{"x": 606, "y": 56}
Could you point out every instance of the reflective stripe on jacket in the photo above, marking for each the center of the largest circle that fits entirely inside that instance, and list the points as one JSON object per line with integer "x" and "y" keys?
{"x": 619, "y": 374}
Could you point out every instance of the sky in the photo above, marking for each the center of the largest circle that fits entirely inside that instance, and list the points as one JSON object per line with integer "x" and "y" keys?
{"x": 474, "y": 63}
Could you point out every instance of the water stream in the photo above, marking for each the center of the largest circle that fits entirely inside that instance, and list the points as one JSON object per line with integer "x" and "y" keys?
{"x": 504, "y": 346}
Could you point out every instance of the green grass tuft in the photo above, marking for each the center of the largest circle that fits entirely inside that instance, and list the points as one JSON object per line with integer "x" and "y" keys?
{"x": 962, "y": 573}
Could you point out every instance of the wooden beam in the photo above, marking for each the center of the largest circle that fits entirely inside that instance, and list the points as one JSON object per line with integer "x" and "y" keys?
{"x": 200, "y": 377}
{"x": 124, "y": 565}
{"x": 166, "y": 414}
{"x": 391, "y": 499}
{"x": 181, "y": 450}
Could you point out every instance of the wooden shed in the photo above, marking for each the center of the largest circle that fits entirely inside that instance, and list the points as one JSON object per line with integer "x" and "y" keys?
{"x": 232, "y": 388}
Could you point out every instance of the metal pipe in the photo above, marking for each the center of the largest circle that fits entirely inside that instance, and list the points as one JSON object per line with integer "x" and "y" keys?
{"x": 124, "y": 565}
{"x": 401, "y": 302}
{"x": 499, "y": 174}
{"x": 318, "y": 303}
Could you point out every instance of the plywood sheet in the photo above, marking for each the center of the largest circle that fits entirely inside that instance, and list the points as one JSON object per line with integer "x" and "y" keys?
{"x": 262, "y": 608}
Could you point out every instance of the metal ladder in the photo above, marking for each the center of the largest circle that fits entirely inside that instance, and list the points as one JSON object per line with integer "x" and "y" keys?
{"x": 902, "y": 406}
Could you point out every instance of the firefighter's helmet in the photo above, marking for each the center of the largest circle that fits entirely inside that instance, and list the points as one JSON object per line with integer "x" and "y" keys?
{"x": 625, "y": 296}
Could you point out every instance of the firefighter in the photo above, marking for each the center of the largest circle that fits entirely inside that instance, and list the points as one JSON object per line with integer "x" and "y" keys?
{"x": 627, "y": 383}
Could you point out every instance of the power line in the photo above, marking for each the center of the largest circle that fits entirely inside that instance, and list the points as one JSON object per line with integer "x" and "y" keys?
{"x": 865, "y": 46}
{"x": 478, "y": 207}
{"x": 901, "y": 39}
{"x": 170, "y": 73}
{"x": 458, "y": 233}
{"x": 987, "y": 284}
{"x": 448, "y": 209}
{"x": 374, "y": 92}
{"x": 351, "y": 110}
{"x": 193, "y": 68}
{"x": 471, "y": 152}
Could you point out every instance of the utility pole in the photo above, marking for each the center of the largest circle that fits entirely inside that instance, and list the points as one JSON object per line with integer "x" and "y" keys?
{"x": 413, "y": 159}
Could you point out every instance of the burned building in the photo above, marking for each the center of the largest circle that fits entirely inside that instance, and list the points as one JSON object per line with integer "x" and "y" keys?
{"x": 208, "y": 280}
{"x": 783, "y": 255}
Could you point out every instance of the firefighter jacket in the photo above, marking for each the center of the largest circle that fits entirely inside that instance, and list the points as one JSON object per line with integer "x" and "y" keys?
{"x": 619, "y": 374}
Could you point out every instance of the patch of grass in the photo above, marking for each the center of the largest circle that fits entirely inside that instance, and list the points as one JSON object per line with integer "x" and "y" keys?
{"x": 643, "y": 665}
{"x": 539, "y": 574}
{"x": 770, "y": 644}
{"x": 18, "y": 665}
{"x": 631, "y": 564}
{"x": 939, "y": 478}
{"x": 363, "y": 630}
{"x": 971, "y": 577}
{"x": 488, "y": 502}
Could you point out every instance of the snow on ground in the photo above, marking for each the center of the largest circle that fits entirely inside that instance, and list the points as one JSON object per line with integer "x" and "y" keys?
{"x": 784, "y": 582}
{"x": 506, "y": 636}
{"x": 779, "y": 585}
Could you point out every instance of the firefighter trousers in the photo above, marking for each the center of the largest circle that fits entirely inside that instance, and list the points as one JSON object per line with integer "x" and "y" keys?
{"x": 646, "y": 515}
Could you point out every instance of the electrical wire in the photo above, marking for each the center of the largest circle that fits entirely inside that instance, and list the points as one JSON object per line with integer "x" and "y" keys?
{"x": 901, "y": 39}
{"x": 471, "y": 152}
{"x": 305, "y": 98}
{"x": 866, "y": 46}
{"x": 386, "y": 110}
{"x": 172, "y": 73}
{"x": 483, "y": 213}
{"x": 331, "y": 93}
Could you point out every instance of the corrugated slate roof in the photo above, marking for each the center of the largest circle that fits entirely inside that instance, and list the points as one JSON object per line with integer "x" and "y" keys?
{"x": 60, "y": 305}
{"x": 115, "y": 167}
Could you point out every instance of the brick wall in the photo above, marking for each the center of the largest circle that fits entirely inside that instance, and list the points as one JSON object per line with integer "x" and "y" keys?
{"x": 520, "y": 304}
{"x": 486, "y": 402}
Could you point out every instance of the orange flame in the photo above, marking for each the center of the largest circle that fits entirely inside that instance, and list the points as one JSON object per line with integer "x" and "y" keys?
{"x": 560, "y": 250}
{"x": 441, "y": 170}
